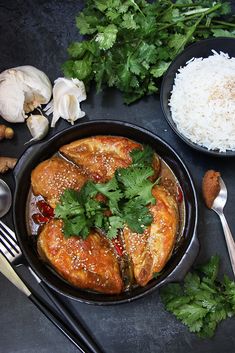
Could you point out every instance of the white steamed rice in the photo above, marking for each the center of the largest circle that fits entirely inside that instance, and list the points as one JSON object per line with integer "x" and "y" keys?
{"x": 202, "y": 101}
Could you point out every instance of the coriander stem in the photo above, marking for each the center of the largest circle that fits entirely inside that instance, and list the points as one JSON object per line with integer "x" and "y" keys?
{"x": 224, "y": 23}
{"x": 207, "y": 12}
{"x": 211, "y": 27}
{"x": 181, "y": 20}
{"x": 189, "y": 35}
{"x": 134, "y": 3}
{"x": 185, "y": 5}
{"x": 212, "y": 9}
{"x": 162, "y": 14}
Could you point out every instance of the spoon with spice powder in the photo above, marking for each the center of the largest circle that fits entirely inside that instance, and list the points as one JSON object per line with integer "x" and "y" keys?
{"x": 215, "y": 197}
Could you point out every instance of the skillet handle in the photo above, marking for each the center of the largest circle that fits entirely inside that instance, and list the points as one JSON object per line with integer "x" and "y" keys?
{"x": 57, "y": 322}
{"x": 74, "y": 323}
{"x": 185, "y": 263}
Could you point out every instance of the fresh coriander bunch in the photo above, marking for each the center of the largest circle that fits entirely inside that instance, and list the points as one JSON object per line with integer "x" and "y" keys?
{"x": 130, "y": 43}
{"x": 126, "y": 197}
{"x": 201, "y": 302}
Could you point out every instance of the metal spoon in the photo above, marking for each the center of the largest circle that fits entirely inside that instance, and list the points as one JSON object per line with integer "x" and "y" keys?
{"x": 218, "y": 207}
{"x": 5, "y": 198}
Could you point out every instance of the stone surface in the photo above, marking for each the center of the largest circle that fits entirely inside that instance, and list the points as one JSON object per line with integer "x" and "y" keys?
{"x": 38, "y": 33}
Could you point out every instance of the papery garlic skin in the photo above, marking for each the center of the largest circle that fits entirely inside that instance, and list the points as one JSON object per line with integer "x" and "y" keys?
{"x": 22, "y": 89}
{"x": 38, "y": 126}
{"x": 67, "y": 95}
{"x": 12, "y": 100}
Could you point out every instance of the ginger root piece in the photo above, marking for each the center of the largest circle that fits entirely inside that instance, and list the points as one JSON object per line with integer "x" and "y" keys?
{"x": 7, "y": 163}
{"x": 6, "y": 132}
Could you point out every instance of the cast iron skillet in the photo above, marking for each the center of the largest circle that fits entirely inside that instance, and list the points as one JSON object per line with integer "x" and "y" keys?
{"x": 179, "y": 263}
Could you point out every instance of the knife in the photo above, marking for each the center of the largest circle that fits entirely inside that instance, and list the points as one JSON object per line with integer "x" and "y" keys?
{"x": 7, "y": 270}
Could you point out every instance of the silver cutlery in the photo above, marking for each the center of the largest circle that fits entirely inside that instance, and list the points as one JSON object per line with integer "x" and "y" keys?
{"x": 7, "y": 270}
{"x": 5, "y": 198}
{"x": 218, "y": 207}
{"x": 11, "y": 250}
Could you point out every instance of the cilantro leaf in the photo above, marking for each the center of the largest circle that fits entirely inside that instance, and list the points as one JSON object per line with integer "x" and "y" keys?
{"x": 87, "y": 191}
{"x": 106, "y": 36}
{"x": 102, "y": 5}
{"x": 76, "y": 226}
{"x": 82, "y": 69}
{"x": 229, "y": 287}
{"x": 86, "y": 24}
{"x": 191, "y": 315}
{"x": 211, "y": 268}
{"x": 170, "y": 292}
{"x": 142, "y": 157}
{"x": 79, "y": 211}
{"x": 77, "y": 50}
{"x": 128, "y": 21}
{"x": 192, "y": 284}
{"x": 218, "y": 32}
{"x": 136, "y": 215}
{"x": 134, "y": 180}
{"x": 201, "y": 302}
{"x": 69, "y": 205}
{"x": 208, "y": 329}
{"x": 134, "y": 66}
{"x": 136, "y": 184}
{"x": 159, "y": 69}
{"x": 112, "y": 192}
{"x": 115, "y": 223}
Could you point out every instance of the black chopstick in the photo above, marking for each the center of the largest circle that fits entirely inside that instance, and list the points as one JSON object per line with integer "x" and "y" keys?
{"x": 76, "y": 325}
{"x": 48, "y": 312}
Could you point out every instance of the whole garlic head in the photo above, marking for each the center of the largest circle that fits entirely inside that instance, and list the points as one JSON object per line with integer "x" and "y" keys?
{"x": 67, "y": 95}
{"x": 22, "y": 89}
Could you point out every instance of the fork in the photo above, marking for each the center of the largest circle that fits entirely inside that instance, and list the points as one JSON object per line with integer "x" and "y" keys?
{"x": 11, "y": 250}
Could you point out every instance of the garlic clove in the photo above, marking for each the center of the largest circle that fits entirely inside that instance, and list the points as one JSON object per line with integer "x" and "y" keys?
{"x": 70, "y": 108}
{"x": 67, "y": 94}
{"x": 38, "y": 126}
{"x": 22, "y": 89}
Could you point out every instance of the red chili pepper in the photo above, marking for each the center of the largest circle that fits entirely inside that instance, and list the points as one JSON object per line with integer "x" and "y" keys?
{"x": 179, "y": 194}
{"x": 118, "y": 246}
{"x": 45, "y": 209}
{"x": 39, "y": 219}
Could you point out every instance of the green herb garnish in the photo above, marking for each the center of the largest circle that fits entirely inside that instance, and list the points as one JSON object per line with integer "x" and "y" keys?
{"x": 128, "y": 193}
{"x": 132, "y": 42}
{"x": 79, "y": 214}
{"x": 202, "y": 301}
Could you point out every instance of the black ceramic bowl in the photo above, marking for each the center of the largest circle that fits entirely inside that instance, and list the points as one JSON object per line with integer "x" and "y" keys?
{"x": 199, "y": 49}
{"x": 181, "y": 260}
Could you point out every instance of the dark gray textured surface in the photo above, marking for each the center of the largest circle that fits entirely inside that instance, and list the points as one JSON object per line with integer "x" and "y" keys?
{"x": 37, "y": 33}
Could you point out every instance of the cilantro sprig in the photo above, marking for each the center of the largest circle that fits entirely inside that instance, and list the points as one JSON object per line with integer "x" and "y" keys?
{"x": 78, "y": 213}
{"x": 127, "y": 195}
{"x": 130, "y": 43}
{"x": 201, "y": 302}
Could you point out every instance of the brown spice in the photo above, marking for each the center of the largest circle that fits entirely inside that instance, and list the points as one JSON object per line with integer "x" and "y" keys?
{"x": 6, "y": 132}
{"x": 7, "y": 163}
{"x": 210, "y": 187}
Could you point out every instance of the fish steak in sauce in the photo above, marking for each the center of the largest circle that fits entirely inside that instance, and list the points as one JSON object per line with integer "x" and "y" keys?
{"x": 93, "y": 263}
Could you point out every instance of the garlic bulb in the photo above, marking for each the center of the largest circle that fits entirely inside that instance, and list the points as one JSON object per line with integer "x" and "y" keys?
{"x": 22, "y": 89}
{"x": 38, "y": 126}
{"x": 67, "y": 95}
